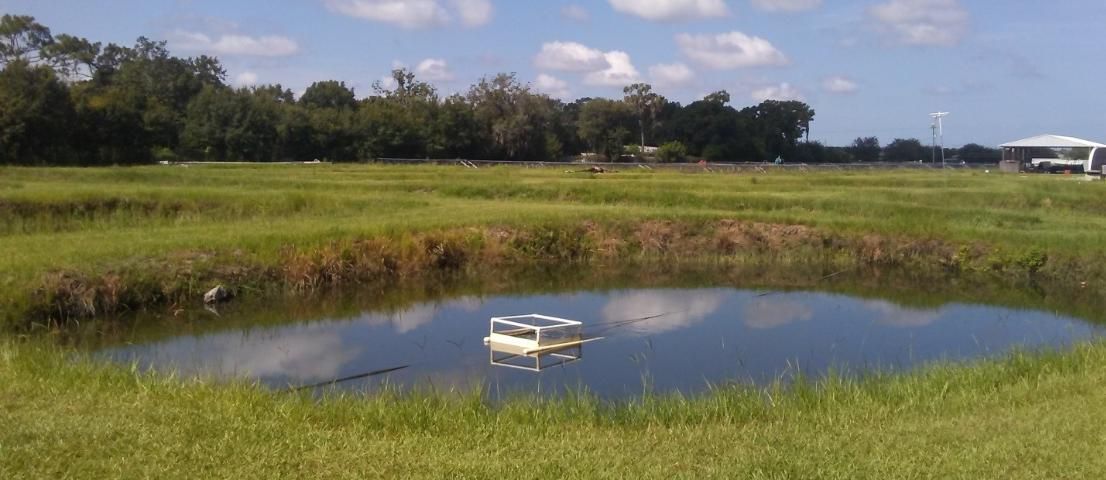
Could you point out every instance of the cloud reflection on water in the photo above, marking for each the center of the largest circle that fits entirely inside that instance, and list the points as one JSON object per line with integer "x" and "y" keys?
{"x": 768, "y": 313}
{"x": 302, "y": 353}
{"x": 679, "y": 309}
{"x": 890, "y": 314}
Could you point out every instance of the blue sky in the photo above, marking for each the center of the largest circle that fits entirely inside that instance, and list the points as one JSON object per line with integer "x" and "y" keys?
{"x": 1005, "y": 69}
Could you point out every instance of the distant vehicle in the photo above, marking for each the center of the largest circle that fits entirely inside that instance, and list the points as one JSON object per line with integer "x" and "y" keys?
{"x": 1078, "y": 160}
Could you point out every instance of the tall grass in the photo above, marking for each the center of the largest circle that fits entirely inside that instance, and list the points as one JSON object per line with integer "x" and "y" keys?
{"x": 1030, "y": 415}
{"x": 132, "y": 225}
{"x": 137, "y": 235}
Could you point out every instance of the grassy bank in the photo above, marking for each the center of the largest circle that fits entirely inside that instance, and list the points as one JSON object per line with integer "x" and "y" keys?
{"x": 89, "y": 242}
{"x": 1027, "y": 416}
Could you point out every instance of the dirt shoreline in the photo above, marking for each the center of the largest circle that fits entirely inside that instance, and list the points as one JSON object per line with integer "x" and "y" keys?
{"x": 63, "y": 298}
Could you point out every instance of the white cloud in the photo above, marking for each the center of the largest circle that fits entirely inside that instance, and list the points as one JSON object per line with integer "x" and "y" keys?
{"x": 246, "y": 79}
{"x": 235, "y": 44}
{"x": 474, "y": 13}
{"x": 434, "y": 70}
{"x": 413, "y": 318}
{"x": 767, "y": 314}
{"x": 674, "y": 309}
{"x": 786, "y": 5}
{"x": 552, "y": 86}
{"x": 575, "y": 13}
{"x": 570, "y": 57}
{"x": 415, "y": 13}
{"x": 783, "y": 92}
{"x": 671, "y": 75}
{"x": 922, "y": 22}
{"x": 895, "y": 316}
{"x": 610, "y": 69}
{"x": 297, "y": 354}
{"x": 387, "y": 83}
{"x": 404, "y": 13}
{"x": 730, "y": 50}
{"x": 671, "y": 10}
{"x": 620, "y": 73}
{"x": 839, "y": 84}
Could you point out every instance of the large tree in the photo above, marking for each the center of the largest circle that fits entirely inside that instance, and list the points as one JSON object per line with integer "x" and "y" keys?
{"x": 645, "y": 103}
{"x": 976, "y": 153}
{"x": 780, "y": 125}
{"x": 905, "y": 150}
{"x": 22, "y": 39}
{"x": 865, "y": 149}
{"x": 605, "y": 125}
{"x": 709, "y": 128}
{"x": 329, "y": 94}
{"x": 515, "y": 119}
{"x": 35, "y": 116}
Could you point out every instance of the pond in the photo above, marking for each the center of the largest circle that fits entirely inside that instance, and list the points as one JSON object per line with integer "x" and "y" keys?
{"x": 660, "y": 339}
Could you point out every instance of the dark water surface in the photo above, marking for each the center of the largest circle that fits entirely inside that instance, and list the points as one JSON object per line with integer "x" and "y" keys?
{"x": 702, "y": 337}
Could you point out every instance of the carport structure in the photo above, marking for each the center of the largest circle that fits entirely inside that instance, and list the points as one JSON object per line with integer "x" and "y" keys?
{"x": 1050, "y": 153}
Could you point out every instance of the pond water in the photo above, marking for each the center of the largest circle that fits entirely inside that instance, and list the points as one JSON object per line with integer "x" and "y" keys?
{"x": 662, "y": 339}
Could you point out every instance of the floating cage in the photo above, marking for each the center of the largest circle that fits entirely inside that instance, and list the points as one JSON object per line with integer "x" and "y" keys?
{"x": 535, "y": 342}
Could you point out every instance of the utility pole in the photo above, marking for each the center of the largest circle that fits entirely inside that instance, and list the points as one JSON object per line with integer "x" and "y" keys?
{"x": 939, "y": 133}
{"x": 933, "y": 144}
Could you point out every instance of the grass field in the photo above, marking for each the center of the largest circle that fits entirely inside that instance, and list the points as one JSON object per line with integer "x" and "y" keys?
{"x": 80, "y": 236}
{"x": 125, "y": 227}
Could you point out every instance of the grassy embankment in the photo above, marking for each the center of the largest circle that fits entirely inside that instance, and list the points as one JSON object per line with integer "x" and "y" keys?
{"x": 84, "y": 241}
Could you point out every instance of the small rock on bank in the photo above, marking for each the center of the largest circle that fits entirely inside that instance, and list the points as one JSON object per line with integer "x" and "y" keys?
{"x": 216, "y": 295}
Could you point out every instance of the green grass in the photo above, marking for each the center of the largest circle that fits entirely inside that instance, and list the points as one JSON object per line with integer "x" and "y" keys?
{"x": 79, "y": 218}
{"x": 101, "y": 220}
{"x": 1026, "y": 416}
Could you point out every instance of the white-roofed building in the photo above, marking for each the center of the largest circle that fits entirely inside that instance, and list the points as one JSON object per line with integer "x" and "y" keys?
{"x": 1050, "y": 153}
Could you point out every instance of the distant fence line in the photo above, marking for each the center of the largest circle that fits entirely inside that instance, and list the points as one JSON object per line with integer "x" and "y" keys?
{"x": 697, "y": 167}
{"x": 736, "y": 167}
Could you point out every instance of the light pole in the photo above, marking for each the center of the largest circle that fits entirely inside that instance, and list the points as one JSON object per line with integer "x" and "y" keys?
{"x": 940, "y": 132}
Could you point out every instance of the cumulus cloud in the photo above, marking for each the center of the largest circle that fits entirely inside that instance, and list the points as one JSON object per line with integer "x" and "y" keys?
{"x": 246, "y": 79}
{"x": 730, "y": 50}
{"x": 434, "y": 70}
{"x": 575, "y": 13}
{"x": 839, "y": 84}
{"x": 671, "y": 10}
{"x": 415, "y": 13}
{"x": 619, "y": 73}
{"x": 552, "y": 86}
{"x": 787, "y": 6}
{"x": 922, "y": 22}
{"x": 474, "y": 13}
{"x": 677, "y": 309}
{"x": 671, "y": 75}
{"x": 612, "y": 68}
{"x": 234, "y": 44}
{"x": 570, "y": 57}
{"x": 782, "y": 92}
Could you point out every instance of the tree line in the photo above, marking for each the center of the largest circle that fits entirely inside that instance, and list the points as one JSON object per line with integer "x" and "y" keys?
{"x": 65, "y": 100}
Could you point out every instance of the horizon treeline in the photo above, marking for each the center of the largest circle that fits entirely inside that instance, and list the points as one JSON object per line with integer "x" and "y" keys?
{"x": 67, "y": 101}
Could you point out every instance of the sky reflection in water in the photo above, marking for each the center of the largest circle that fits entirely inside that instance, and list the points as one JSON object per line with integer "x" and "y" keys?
{"x": 705, "y": 336}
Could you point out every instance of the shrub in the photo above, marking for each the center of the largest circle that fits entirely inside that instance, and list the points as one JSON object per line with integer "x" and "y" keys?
{"x": 672, "y": 152}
